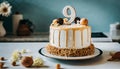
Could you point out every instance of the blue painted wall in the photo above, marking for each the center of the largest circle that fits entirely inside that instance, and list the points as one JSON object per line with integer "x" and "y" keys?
{"x": 100, "y": 13}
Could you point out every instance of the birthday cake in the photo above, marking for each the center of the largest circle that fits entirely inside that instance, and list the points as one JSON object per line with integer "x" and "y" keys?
{"x": 70, "y": 38}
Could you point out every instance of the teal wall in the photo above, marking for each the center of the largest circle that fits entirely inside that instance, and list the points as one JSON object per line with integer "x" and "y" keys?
{"x": 100, "y": 13}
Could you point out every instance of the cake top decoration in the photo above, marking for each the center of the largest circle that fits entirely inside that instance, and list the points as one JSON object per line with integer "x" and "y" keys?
{"x": 69, "y": 18}
{"x": 66, "y": 14}
{"x": 60, "y": 21}
{"x": 84, "y": 21}
{"x": 54, "y": 23}
{"x": 76, "y": 20}
{"x": 66, "y": 21}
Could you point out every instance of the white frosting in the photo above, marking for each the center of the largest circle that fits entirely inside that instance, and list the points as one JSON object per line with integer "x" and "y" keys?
{"x": 77, "y": 37}
{"x": 85, "y": 42}
{"x": 63, "y": 39}
{"x": 51, "y": 36}
{"x": 56, "y": 38}
{"x": 78, "y": 40}
{"x": 70, "y": 39}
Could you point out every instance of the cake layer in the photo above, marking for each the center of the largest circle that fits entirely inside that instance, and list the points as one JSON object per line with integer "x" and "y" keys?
{"x": 70, "y": 36}
{"x": 70, "y": 52}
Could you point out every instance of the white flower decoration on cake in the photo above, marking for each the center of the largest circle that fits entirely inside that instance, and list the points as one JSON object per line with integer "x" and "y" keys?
{"x": 5, "y": 9}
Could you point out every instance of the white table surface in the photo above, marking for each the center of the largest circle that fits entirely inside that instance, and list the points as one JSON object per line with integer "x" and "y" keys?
{"x": 97, "y": 63}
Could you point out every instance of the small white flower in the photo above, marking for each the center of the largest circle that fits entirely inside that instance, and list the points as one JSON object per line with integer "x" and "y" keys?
{"x": 5, "y": 9}
{"x": 38, "y": 62}
{"x": 16, "y": 55}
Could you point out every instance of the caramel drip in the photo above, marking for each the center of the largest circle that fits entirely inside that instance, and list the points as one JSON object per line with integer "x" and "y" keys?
{"x": 66, "y": 28}
{"x": 59, "y": 38}
{"x": 82, "y": 38}
{"x": 73, "y": 38}
{"x": 66, "y": 38}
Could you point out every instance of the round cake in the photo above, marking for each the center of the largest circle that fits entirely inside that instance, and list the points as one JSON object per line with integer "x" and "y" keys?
{"x": 70, "y": 40}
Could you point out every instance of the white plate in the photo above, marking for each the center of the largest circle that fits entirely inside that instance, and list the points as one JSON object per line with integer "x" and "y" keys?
{"x": 43, "y": 52}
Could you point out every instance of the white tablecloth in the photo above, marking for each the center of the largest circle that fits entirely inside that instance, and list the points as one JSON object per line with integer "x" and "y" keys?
{"x": 101, "y": 62}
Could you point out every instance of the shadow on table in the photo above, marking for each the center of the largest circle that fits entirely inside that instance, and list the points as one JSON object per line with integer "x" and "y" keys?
{"x": 89, "y": 62}
{"x": 39, "y": 67}
{"x": 5, "y": 68}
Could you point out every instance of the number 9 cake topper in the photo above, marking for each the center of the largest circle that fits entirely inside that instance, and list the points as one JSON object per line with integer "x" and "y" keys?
{"x": 72, "y": 15}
